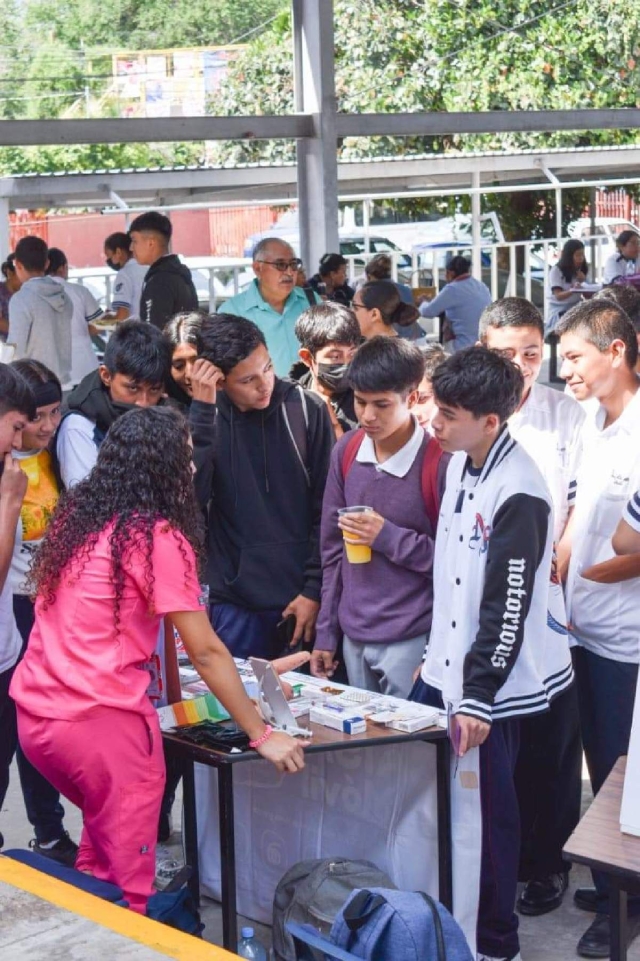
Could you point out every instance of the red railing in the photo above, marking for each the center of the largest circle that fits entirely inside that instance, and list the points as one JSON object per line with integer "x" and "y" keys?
{"x": 618, "y": 204}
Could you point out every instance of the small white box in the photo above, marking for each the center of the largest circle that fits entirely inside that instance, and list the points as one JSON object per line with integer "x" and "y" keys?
{"x": 300, "y": 706}
{"x": 346, "y": 721}
{"x": 410, "y": 725}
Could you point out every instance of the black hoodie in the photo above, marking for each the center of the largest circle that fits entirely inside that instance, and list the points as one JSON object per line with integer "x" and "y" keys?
{"x": 264, "y": 518}
{"x": 168, "y": 289}
{"x": 73, "y": 456}
{"x": 92, "y": 399}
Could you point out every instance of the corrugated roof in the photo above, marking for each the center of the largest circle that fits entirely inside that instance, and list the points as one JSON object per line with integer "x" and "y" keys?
{"x": 457, "y": 155}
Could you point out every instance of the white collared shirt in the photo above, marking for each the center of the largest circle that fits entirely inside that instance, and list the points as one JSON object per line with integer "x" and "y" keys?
{"x": 400, "y": 463}
{"x": 549, "y": 425}
{"x": 127, "y": 288}
{"x": 605, "y": 616}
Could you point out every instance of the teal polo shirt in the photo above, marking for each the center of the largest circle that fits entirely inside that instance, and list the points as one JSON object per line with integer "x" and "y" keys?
{"x": 282, "y": 342}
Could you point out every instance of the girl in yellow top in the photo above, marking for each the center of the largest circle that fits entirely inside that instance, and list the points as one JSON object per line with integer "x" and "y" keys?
{"x": 42, "y": 801}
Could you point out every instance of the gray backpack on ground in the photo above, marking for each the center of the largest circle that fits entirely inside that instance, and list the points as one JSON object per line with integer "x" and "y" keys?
{"x": 313, "y": 892}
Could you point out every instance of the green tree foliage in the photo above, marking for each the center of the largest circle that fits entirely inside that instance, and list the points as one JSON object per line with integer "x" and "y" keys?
{"x": 55, "y": 54}
{"x": 403, "y": 55}
{"x": 391, "y": 55}
{"x": 147, "y": 24}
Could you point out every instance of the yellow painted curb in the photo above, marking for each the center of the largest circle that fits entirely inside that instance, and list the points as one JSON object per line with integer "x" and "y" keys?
{"x": 165, "y": 940}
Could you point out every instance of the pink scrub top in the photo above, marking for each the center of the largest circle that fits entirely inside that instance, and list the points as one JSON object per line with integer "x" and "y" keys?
{"x": 76, "y": 662}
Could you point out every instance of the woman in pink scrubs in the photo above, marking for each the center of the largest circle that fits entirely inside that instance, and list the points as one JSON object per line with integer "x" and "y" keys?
{"x": 120, "y": 554}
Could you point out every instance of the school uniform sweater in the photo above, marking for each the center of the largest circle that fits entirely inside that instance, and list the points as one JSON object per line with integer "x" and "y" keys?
{"x": 492, "y": 567}
{"x": 390, "y": 598}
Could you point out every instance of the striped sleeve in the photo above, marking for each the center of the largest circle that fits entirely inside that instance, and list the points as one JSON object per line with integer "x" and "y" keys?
{"x": 571, "y": 493}
{"x": 632, "y": 512}
{"x": 122, "y": 291}
{"x": 92, "y": 309}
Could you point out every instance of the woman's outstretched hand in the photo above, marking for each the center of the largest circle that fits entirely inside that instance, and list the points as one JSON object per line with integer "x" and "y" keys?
{"x": 284, "y": 751}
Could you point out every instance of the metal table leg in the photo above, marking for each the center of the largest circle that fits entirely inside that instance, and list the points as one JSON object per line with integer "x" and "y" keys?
{"x": 443, "y": 780}
{"x": 618, "y": 907}
{"x": 191, "y": 828}
{"x": 227, "y": 857}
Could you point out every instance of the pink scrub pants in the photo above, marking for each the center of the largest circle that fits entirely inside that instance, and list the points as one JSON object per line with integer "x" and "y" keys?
{"x": 110, "y": 764}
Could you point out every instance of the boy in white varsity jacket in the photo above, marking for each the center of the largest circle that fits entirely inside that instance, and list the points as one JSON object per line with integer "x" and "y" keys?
{"x": 491, "y": 583}
{"x": 600, "y": 350}
{"x": 549, "y": 770}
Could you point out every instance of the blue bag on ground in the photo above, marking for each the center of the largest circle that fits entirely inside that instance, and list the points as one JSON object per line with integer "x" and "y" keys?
{"x": 173, "y": 907}
{"x": 177, "y": 909}
{"x": 85, "y": 882}
{"x": 386, "y": 925}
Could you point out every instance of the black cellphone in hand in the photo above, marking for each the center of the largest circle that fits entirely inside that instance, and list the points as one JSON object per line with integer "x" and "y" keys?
{"x": 285, "y": 630}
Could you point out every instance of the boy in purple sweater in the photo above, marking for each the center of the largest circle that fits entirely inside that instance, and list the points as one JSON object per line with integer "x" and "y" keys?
{"x": 383, "y": 607}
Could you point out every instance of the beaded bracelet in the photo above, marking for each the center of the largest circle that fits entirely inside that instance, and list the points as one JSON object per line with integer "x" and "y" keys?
{"x": 266, "y": 734}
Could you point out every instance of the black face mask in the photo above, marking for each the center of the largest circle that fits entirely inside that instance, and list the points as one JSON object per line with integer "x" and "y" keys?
{"x": 109, "y": 262}
{"x": 334, "y": 377}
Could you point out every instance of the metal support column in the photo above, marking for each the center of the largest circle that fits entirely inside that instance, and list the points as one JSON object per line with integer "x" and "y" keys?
{"x": 313, "y": 52}
{"x": 558, "y": 192}
{"x": 592, "y": 233}
{"x": 5, "y": 246}
{"x": 476, "y": 213}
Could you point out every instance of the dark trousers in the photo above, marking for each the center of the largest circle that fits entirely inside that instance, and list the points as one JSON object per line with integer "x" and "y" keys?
{"x": 41, "y": 800}
{"x": 247, "y": 633}
{"x": 549, "y": 784}
{"x": 606, "y": 695}
{"x": 497, "y": 926}
{"x": 8, "y": 732}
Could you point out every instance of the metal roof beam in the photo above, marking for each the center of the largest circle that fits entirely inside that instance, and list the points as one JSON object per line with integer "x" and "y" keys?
{"x": 23, "y": 133}
{"x": 301, "y": 126}
{"x": 485, "y": 121}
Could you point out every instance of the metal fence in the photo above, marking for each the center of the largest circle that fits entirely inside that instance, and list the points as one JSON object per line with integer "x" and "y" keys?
{"x": 508, "y": 269}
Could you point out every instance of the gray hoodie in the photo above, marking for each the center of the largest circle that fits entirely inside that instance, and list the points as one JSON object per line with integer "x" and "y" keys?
{"x": 40, "y": 316}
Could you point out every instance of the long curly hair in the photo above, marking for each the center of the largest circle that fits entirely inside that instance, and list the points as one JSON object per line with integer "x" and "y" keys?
{"x": 143, "y": 475}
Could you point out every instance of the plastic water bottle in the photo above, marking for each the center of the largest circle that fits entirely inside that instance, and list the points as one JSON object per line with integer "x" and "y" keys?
{"x": 250, "y": 947}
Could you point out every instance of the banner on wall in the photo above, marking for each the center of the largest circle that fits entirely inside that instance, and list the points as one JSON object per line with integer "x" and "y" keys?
{"x": 170, "y": 83}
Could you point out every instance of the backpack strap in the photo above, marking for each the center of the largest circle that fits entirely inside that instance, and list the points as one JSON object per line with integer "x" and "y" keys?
{"x": 437, "y": 922}
{"x": 429, "y": 480}
{"x": 360, "y": 908}
{"x": 310, "y": 295}
{"x": 350, "y": 451}
{"x": 296, "y": 419}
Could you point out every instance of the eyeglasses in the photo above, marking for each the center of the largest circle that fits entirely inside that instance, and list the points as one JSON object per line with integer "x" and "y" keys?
{"x": 355, "y": 306}
{"x": 282, "y": 265}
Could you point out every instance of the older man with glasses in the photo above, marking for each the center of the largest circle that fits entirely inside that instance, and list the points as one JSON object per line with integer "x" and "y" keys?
{"x": 273, "y": 301}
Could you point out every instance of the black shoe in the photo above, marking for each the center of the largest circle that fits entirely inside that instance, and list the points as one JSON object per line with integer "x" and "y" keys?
{"x": 64, "y": 851}
{"x": 586, "y": 899}
{"x": 543, "y": 895}
{"x": 596, "y": 940}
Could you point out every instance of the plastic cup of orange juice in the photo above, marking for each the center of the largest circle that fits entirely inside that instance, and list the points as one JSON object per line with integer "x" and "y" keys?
{"x": 356, "y": 553}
